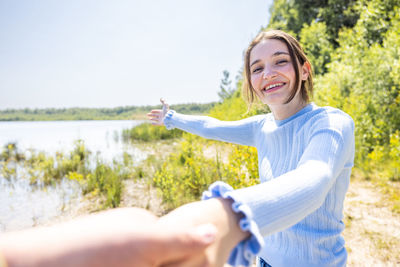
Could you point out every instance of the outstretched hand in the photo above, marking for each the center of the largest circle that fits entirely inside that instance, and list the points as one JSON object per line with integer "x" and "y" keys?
{"x": 156, "y": 116}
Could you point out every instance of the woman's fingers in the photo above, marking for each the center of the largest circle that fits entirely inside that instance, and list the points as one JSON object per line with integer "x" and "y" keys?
{"x": 165, "y": 106}
{"x": 154, "y": 113}
{"x": 156, "y": 116}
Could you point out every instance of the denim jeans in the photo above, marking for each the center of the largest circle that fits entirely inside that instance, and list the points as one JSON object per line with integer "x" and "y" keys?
{"x": 263, "y": 263}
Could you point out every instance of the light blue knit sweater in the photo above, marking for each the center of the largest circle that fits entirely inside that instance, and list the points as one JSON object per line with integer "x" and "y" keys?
{"x": 295, "y": 213}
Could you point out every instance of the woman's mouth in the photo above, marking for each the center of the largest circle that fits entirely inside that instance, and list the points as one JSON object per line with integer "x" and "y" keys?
{"x": 273, "y": 87}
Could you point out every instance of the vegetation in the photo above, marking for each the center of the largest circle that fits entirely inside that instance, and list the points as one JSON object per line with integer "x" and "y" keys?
{"x": 146, "y": 132}
{"x": 226, "y": 90}
{"x": 186, "y": 173}
{"x": 118, "y": 113}
{"x": 102, "y": 180}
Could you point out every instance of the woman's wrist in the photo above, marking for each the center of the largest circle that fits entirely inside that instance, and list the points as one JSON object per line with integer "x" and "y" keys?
{"x": 236, "y": 233}
{"x": 249, "y": 241}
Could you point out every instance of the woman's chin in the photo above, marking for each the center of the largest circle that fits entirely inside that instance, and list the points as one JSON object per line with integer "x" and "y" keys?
{"x": 273, "y": 100}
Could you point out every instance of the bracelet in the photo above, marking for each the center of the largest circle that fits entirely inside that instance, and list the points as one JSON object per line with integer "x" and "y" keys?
{"x": 3, "y": 262}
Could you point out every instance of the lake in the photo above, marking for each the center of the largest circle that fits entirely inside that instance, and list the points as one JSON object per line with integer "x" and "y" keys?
{"x": 22, "y": 205}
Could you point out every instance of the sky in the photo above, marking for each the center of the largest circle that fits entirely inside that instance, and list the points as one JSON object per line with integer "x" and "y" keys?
{"x": 103, "y": 53}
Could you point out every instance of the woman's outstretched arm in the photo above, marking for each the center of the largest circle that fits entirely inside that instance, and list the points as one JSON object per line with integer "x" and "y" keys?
{"x": 239, "y": 132}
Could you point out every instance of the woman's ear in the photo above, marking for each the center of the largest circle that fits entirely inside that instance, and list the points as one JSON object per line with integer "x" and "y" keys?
{"x": 306, "y": 70}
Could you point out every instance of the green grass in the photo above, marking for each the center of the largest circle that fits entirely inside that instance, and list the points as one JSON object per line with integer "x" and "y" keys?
{"x": 147, "y": 132}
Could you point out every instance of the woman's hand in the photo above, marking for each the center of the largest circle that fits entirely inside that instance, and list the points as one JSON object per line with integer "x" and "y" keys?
{"x": 217, "y": 211}
{"x": 157, "y": 115}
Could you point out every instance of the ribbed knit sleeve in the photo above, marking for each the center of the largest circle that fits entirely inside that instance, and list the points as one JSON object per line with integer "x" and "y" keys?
{"x": 239, "y": 132}
{"x": 287, "y": 199}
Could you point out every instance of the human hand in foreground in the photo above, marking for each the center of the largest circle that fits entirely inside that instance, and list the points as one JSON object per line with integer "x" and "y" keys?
{"x": 119, "y": 237}
{"x": 157, "y": 115}
{"x": 217, "y": 211}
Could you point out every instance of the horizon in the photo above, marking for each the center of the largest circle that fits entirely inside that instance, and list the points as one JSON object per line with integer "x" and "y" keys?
{"x": 129, "y": 106}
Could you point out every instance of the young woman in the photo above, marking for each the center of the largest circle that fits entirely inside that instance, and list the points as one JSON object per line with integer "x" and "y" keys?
{"x": 305, "y": 153}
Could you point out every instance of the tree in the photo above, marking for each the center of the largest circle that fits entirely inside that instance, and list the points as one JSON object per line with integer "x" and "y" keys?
{"x": 226, "y": 89}
{"x": 315, "y": 41}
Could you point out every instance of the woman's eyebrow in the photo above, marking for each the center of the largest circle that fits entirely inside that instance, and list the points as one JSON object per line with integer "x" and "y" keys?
{"x": 278, "y": 53}
{"x": 254, "y": 62}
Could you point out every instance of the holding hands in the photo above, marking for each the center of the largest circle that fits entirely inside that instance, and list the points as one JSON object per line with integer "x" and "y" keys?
{"x": 217, "y": 211}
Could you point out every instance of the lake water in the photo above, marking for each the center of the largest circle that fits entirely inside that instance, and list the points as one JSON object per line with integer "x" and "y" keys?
{"x": 51, "y": 136}
{"x": 22, "y": 205}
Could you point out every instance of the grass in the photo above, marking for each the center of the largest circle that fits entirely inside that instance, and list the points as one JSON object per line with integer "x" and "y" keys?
{"x": 147, "y": 132}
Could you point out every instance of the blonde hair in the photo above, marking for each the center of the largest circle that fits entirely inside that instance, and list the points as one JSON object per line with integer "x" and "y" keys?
{"x": 297, "y": 56}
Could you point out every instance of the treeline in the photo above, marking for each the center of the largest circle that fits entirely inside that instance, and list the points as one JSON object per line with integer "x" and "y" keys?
{"x": 118, "y": 113}
{"x": 354, "y": 47}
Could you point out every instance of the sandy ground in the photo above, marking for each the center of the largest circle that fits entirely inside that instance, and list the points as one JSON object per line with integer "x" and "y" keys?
{"x": 142, "y": 195}
{"x": 372, "y": 230}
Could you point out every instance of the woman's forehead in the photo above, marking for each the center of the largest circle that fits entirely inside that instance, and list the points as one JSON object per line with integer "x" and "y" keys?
{"x": 268, "y": 48}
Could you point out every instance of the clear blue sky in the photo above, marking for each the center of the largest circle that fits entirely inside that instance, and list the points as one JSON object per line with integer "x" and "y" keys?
{"x": 100, "y": 53}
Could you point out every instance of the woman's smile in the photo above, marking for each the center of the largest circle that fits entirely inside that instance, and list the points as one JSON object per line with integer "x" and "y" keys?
{"x": 272, "y": 87}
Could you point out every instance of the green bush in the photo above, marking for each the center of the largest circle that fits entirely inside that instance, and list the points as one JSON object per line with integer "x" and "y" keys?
{"x": 185, "y": 174}
{"x": 364, "y": 82}
{"x": 147, "y": 132}
{"x": 106, "y": 181}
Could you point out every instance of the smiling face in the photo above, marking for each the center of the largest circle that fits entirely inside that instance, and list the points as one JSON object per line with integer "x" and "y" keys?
{"x": 272, "y": 74}
{"x": 277, "y": 71}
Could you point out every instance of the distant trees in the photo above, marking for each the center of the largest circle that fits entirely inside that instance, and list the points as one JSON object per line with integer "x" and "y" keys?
{"x": 117, "y": 113}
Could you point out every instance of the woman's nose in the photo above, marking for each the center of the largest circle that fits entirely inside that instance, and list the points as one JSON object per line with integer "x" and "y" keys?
{"x": 269, "y": 74}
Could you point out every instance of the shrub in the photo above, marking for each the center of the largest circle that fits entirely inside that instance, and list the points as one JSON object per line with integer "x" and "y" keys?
{"x": 185, "y": 174}
{"x": 147, "y": 132}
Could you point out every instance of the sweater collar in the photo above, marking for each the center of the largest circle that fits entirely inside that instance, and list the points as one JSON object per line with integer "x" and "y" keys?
{"x": 302, "y": 111}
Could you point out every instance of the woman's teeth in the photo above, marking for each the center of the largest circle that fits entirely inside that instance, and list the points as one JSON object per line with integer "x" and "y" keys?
{"x": 273, "y": 86}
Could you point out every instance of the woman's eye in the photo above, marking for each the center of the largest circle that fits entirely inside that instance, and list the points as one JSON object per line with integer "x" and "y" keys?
{"x": 281, "y": 62}
{"x": 257, "y": 70}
